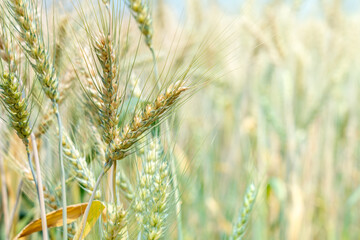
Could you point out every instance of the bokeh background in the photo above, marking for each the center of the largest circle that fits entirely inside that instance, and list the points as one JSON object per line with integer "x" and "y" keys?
{"x": 284, "y": 114}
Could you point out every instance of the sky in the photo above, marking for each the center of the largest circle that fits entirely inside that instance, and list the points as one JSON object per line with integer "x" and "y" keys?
{"x": 308, "y": 6}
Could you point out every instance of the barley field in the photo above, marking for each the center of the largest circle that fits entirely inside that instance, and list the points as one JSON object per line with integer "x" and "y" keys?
{"x": 181, "y": 119}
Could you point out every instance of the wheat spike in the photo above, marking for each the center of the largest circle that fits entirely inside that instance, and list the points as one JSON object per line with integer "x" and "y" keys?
{"x": 15, "y": 105}
{"x": 150, "y": 203}
{"x": 34, "y": 46}
{"x": 115, "y": 226}
{"x": 141, "y": 13}
{"x": 155, "y": 224}
{"x": 12, "y": 97}
{"x": 240, "y": 226}
{"x": 109, "y": 90}
{"x": 143, "y": 121}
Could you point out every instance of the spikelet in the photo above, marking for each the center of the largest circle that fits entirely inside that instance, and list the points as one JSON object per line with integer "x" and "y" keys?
{"x": 34, "y": 46}
{"x": 115, "y": 226}
{"x": 150, "y": 203}
{"x": 141, "y": 13}
{"x": 78, "y": 163}
{"x": 143, "y": 121}
{"x": 240, "y": 226}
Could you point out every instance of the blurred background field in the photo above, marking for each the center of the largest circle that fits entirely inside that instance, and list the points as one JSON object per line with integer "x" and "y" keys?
{"x": 287, "y": 119}
{"x": 280, "y": 110}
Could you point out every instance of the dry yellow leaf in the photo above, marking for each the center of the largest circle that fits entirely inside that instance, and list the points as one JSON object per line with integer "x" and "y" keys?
{"x": 96, "y": 209}
{"x": 54, "y": 219}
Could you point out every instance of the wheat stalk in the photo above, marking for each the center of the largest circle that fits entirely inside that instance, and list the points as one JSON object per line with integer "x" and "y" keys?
{"x": 4, "y": 197}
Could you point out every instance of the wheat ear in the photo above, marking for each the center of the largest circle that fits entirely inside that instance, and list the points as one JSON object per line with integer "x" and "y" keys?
{"x": 34, "y": 46}
{"x": 115, "y": 226}
{"x": 143, "y": 192}
{"x": 150, "y": 203}
{"x": 110, "y": 100}
{"x": 240, "y": 226}
{"x": 143, "y": 122}
{"x": 141, "y": 13}
{"x": 142, "y": 16}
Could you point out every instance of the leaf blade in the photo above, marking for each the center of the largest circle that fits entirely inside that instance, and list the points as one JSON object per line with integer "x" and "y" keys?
{"x": 54, "y": 219}
{"x": 96, "y": 209}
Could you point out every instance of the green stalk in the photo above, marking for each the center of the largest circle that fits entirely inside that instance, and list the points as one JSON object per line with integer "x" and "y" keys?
{"x": 4, "y": 197}
{"x": 113, "y": 182}
{"x": 156, "y": 73}
{"x": 31, "y": 166}
{"x": 38, "y": 184}
{"x": 63, "y": 181}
